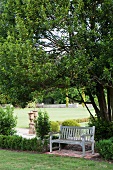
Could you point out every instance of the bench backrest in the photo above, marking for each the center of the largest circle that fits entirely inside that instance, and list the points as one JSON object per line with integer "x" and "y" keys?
{"x": 75, "y": 132}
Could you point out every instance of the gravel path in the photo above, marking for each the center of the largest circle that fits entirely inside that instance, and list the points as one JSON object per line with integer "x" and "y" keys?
{"x": 25, "y": 133}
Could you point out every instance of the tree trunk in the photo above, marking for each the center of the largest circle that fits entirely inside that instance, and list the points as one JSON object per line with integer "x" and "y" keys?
{"x": 97, "y": 111}
{"x": 102, "y": 102}
{"x": 111, "y": 101}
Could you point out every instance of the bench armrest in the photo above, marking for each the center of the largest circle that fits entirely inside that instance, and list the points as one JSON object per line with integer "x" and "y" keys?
{"x": 53, "y": 133}
{"x": 84, "y": 135}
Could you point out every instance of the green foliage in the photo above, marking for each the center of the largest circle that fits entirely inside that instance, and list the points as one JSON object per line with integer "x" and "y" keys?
{"x": 7, "y": 121}
{"x": 105, "y": 148}
{"x": 19, "y": 143}
{"x": 42, "y": 124}
{"x": 54, "y": 126}
{"x": 103, "y": 128}
{"x": 59, "y": 96}
{"x": 3, "y": 99}
{"x": 70, "y": 122}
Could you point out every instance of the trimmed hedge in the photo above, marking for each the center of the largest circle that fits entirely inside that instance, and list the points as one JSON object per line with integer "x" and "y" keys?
{"x": 23, "y": 144}
{"x": 82, "y": 120}
{"x": 77, "y": 120}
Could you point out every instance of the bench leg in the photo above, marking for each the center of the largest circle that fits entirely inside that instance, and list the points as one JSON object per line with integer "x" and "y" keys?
{"x": 92, "y": 147}
{"x": 50, "y": 146}
{"x": 59, "y": 147}
{"x": 83, "y": 149}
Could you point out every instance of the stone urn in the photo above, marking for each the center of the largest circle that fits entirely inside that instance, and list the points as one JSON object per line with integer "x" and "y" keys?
{"x": 35, "y": 114}
{"x": 32, "y": 117}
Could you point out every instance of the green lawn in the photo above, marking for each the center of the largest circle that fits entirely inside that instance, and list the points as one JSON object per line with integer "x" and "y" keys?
{"x": 55, "y": 114}
{"x": 12, "y": 160}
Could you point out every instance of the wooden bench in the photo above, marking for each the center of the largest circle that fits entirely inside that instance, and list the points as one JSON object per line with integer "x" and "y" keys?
{"x": 74, "y": 135}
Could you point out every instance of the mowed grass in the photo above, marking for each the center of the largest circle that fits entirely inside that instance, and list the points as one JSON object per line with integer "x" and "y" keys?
{"x": 55, "y": 114}
{"x": 12, "y": 160}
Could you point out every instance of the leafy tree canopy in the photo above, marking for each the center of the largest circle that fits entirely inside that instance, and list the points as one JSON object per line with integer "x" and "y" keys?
{"x": 48, "y": 44}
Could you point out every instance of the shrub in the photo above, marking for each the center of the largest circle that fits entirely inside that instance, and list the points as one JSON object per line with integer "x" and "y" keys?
{"x": 54, "y": 126}
{"x": 42, "y": 124}
{"x": 19, "y": 143}
{"x": 7, "y": 121}
{"x": 103, "y": 129}
{"x": 105, "y": 148}
{"x": 70, "y": 122}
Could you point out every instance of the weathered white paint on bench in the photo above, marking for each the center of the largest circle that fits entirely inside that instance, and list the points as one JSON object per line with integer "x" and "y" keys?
{"x": 75, "y": 135}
